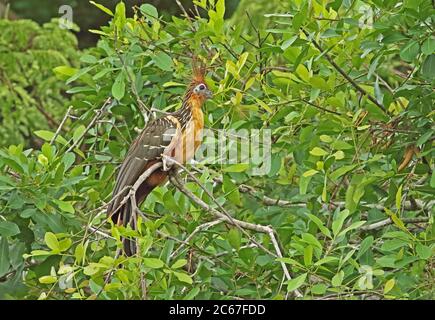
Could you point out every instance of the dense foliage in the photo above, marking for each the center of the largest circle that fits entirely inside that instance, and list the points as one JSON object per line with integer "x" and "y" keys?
{"x": 31, "y": 97}
{"x": 346, "y": 88}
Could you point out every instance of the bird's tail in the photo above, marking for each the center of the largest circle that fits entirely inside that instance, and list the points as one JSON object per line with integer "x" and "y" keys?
{"x": 124, "y": 216}
{"x": 129, "y": 245}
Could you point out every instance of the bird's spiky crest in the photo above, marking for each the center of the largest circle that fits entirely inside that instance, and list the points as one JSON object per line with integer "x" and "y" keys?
{"x": 198, "y": 70}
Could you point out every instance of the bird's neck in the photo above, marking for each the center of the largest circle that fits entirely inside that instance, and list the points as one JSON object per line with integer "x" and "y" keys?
{"x": 190, "y": 111}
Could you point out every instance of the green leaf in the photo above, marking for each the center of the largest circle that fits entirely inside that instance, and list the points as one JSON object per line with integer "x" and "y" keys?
{"x": 48, "y": 135}
{"x": 309, "y": 238}
{"x": 179, "y": 263}
{"x": 153, "y": 263}
{"x": 354, "y": 225}
{"x": 319, "y": 289}
{"x": 47, "y": 279}
{"x": 365, "y": 245}
{"x": 325, "y": 260}
{"x": 242, "y": 60}
{"x": 220, "y": 8}
{"x": 318, "y": 82}
{"x": 303, "y": 73}
{"x": 432, "y": 180}
{"x": 64, "y": 206}
{"x": 294, "y": 284}
{"x": 289, "y": 261}
{"x": 308, "y": 255}
{"x": 410, "y": 51}
{"x": 120, "y": 18}
{"x": 326, "y": 138}
{"x": 183, "y": 277}
{"x": 65, "y": 72}
{"x": 309, "y": 173}
{"x": 341, "y": 145}
{"x": 192, "y": 294}
{"x": 65, "y": 244}
{"x": 304, "y": 181}
{"x": 231, "y": 191}
{"x": 163, "y": 61}
{"x": 78, "y": 133}
{"x": 8, "y": 229}
{"x": 234, "y": 238}
{"x": 264, "y": 105}
{"x": 102, "y": 8}
{"x": 240, "y": 167}
{"x": 149, "y": 10}
{"x": 389, "y": 285}
{"x": 51, "y": 241}
{"x": 424, "y": 252}
{"x": 79, "y": 253}
{"x": 170, "y": 203}
{"x": 428, "y": 47}
{"x": 4, "y": 256}
{"x": 339, "y": 220}
{"x": 424, "y": 138}
{"x": 339, "y": 155}
{"x": 118, "y": 87}
{"x": 80, "y": 73}
{"x": 428, "y": 67}
{"x": 398, "y": 222}
{"x": 399, "y": 198}
{"x": 337, "y": 279}
{"x": 320, "y": 225}
{"x": 319, "y": 152}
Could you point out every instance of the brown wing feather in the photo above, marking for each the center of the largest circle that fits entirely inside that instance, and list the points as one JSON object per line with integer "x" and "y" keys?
{"x": 145, "y": 150}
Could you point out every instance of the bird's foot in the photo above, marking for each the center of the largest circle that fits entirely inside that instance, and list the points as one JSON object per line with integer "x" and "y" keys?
{"x": 168, "y": 162}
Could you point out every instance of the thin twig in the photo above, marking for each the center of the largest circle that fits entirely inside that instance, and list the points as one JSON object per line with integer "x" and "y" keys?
{"x": 184, "y": 11}
{"x": 321, "y": 108}
{"x": 109, "y": 276}
{"x": 61, "y": 125}
{"x": 386, "y": 222}
{"x": 199, "y": 228}
{"x": 343, "y": 73}
{"x": 99, "y": 113}
{"x": 238, "y": 223}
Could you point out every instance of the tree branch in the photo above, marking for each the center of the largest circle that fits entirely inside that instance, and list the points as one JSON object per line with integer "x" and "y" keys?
{"x": 91, "y": 124}
{"x": 238, "y": 223}
{"x": 198, "y": 229}
{"x": 61, "y": 125}
{"x": 343, "y": 73}
{"x": 386, "y": 222}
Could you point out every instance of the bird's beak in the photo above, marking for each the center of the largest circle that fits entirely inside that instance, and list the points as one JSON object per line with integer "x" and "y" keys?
{"x": 208, "y": 94}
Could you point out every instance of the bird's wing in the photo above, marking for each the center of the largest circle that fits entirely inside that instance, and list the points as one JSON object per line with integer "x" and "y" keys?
{"x": 157, "y": 136}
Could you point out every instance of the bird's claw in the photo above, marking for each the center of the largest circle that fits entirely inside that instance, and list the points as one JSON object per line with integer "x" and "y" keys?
{"x": 168, "y": 163}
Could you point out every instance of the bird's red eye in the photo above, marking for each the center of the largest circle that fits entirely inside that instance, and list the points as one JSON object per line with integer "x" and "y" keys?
{"x": 201, "y": 87}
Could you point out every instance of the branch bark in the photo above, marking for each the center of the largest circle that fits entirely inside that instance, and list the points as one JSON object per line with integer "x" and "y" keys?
{"x": 61, "y": 125}
{"x": 91, "y": 124}
{"x": 386, "y": 222}
{"x": 343, "y": 73}
{"x": 238, "y": 223}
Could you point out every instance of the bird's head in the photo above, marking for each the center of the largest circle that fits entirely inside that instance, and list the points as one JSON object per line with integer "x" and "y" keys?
{"x": 198, "y": 88}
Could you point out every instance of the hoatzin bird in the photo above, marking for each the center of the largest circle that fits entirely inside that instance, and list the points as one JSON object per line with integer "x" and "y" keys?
{"x": 176, "y": 135}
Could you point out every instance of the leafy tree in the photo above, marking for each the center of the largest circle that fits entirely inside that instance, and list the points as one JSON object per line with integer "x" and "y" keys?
{"x": 31, "y": 97}
{"x": 346, "y": 89}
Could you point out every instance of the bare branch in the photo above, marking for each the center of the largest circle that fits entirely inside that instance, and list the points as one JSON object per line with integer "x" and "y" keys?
{"x": 386, "y": 222}
{"x": 99, "y": 113}
{"x": 61, "y": 125}
{"x": 343, "y": 73}
{"x": 199, "y": 228}
{"x": 238, "y": 223}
